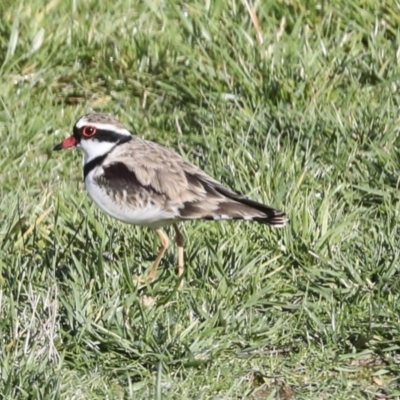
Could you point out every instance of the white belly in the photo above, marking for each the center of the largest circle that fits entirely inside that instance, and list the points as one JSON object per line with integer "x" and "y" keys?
{"x": 150, "y": 215}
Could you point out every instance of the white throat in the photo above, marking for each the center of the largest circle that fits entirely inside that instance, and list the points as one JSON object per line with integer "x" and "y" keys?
{"x": 92, "y": 148}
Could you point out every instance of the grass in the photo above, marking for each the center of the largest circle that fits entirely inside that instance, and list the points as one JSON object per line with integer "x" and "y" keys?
{"x": 295, "y": 103}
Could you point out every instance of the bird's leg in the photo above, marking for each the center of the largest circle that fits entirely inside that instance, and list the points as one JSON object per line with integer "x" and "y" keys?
{"x": 179, "y": 242}
{"x": 164, "y": 245}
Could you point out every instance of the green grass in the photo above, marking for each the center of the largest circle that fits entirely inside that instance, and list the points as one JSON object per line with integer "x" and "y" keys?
{"x": 300, "y": 112}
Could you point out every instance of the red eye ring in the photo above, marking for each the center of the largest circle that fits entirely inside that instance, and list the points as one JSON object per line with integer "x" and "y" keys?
{"x": 89, "y": 131}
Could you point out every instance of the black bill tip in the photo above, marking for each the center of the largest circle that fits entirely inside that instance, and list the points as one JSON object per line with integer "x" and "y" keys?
{"x": 58, "y": 147}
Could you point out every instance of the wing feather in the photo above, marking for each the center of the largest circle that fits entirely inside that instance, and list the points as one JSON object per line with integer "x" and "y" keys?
{"x": 160, "y": 173}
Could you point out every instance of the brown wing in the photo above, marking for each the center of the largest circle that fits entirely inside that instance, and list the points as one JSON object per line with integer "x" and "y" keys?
{"x": 147, "y": 169}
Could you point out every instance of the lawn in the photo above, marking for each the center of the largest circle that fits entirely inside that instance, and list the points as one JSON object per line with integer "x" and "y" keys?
{"x": 293, "y": 102}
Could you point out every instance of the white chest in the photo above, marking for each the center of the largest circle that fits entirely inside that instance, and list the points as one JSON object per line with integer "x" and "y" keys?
{"x": 126, "y": 209}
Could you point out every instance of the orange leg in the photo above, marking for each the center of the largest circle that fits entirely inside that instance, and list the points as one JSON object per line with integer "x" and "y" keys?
{"x": 164, "y": 245}
{"x": 179, "y": 242}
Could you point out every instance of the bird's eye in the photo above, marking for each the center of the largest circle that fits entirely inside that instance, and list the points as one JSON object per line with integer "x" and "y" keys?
{"x": 89, "y": 131}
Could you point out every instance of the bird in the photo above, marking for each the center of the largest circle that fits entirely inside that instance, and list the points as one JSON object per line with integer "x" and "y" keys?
{"x": 141, "y": 182}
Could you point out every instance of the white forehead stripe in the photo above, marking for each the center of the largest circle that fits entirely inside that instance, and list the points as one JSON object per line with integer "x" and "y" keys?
{"x": 107, "y": 127}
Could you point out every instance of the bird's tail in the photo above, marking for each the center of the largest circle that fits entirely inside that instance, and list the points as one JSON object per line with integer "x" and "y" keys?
{"x": 221, "y": 203}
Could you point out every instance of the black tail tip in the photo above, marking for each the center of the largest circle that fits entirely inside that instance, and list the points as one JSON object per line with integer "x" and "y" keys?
{"x": 279, "y": 220}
